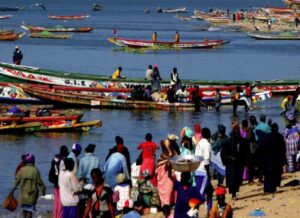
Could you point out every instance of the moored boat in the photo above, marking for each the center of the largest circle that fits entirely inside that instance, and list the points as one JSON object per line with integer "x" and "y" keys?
{"x": 133, "y": 43}
{"x": 11, "y": 36}
{"x": 82, "y": 29}
{"x": 12, "y": 8}
{"x": 275, "y": 36}
{"x": 25, "y": 74}
{"x": 5, "y": 16}
{"x": 97, "y": 7}
{"x": 172, "y": 10}
{"x": 68, "y": 17}
{"x": 13, "y": 94}
{"x": 49, "y": 35}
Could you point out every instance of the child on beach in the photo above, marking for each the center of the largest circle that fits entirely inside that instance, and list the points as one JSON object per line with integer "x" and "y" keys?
{"x": 185, "y": 193}
{"x": 122, "y": 190}
{"x": 221, "y": 209}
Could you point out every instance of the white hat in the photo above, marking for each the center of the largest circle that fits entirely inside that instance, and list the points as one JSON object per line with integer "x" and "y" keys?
{"x": 172, "y": 137}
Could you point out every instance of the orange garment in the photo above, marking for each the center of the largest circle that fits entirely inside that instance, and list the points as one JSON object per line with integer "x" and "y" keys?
{"x": 177, "y": 37}
{"x": 214, "y": 212}
{"x": 154, "y": 37}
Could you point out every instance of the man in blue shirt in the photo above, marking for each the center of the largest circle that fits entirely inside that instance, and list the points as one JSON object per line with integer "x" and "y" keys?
{"x": 87, "y": 163}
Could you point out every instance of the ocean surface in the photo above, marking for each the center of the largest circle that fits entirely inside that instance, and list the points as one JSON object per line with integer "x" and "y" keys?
{"x": 242, "y": 59}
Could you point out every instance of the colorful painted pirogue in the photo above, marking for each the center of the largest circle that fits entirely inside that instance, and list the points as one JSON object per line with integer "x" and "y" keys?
{"x": 11, "y": 36}
{"x": 49, "y": 35}
{"x": 57, "y": 29}
{"x": 68, "y": 17}
{"x": 13, "y": 94}
{"x": 19, "y": 73}
{"x": 25, "y": 121}
{"x": 96, "y": 99}
{"x": 133, "y": 43}
{"x": 275, "y": 36}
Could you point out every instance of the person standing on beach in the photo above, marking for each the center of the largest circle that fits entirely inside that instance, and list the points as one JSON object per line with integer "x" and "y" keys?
{"x": 221, "y": 209}
{"x": 292, "y": 138}
{"x": 203, "y": 180}
{"x": 87, "y": 163}
{"x": 68, "y": 187}
{"x": 29, "y": 179}
{"x": 148, "y": 156}
{"x": 231, "y": 159}
{"x": 56, "y": 165}
{"x": 76, "y": 150}
{"x": 18, "y": 56}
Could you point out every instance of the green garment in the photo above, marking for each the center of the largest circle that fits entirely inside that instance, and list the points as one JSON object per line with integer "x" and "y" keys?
{"x": 29, "y": 178}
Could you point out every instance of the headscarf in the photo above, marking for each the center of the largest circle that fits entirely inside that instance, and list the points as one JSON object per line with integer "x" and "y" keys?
{"x": 166, "y": 151}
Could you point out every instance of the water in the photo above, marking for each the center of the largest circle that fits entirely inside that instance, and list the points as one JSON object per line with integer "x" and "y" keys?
{"x": 242, "y": 59}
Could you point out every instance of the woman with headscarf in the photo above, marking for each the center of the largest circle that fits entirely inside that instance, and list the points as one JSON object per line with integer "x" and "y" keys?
{"x": 197, "y": 134}
{"x": 164, "y": 183}
{"x": 187, "y": 146}
{"x": 29, "y": 179}
{"x": 231, "y": 159}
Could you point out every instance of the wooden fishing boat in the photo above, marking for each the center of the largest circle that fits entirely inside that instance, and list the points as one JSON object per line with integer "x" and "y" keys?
{"x": 97, "y": 7}
{"x": 133, "y": 43}
{"x": 5, "y": 16}
{"x": 20, "y": 116}
{"x": 69, "y": 127}
{"x": 56, "y": 126}
{"x": 12, "y": 8}
{"x": 68, "y": 17}
{"x": 11, "y": 36}
{"x": 49, "y": 35}
{"x": 25, "y": 74}
{"x": 83, "y": 29}
{"x": 275, "y": 36}
{"x": 172, "y": 10}
{"x": 6, "y": 32}
{"x": 94, "y": 100}
{"x": 13, "y": 94}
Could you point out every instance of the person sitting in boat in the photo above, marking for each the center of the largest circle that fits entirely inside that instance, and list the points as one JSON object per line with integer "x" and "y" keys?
{"x": 154, "y": 37}
{"x": 147, "y": 93}
{"x": 175, "y": 79}
{"x": 18, "y": 56}
{"x": 117, "y": 74}
{"x": 182, "y": 95}
{"x": 177, "y": 37}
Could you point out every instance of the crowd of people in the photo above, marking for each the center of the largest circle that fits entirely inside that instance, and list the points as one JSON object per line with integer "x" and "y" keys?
{"x": 253, "y": 151}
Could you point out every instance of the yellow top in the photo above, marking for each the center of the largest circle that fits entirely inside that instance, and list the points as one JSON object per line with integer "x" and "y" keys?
{"x": 284, "y": 103}
{"x": 154, "y": 37}
{"x": 116, "y": 74}
{"x": 177, "y": 37}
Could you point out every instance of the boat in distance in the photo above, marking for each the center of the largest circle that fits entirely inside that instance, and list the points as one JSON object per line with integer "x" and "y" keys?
{"x": 134, "y": 43}
{"x": 49, "y": 35}
{"x": 68, "y": 17}
{"x": 275, "y": 36}
{"x": 83, "y": 29}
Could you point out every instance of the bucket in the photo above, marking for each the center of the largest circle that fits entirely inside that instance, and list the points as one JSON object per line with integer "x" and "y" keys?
{"x": 10, "y": 203}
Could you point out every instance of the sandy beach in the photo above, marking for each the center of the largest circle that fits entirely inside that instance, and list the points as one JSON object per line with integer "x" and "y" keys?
{"x": 248, "y": 26}
{"x": 283, "y": 204}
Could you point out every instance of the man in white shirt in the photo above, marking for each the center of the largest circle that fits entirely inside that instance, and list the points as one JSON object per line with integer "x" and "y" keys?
{"x": 203, "y": 184}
